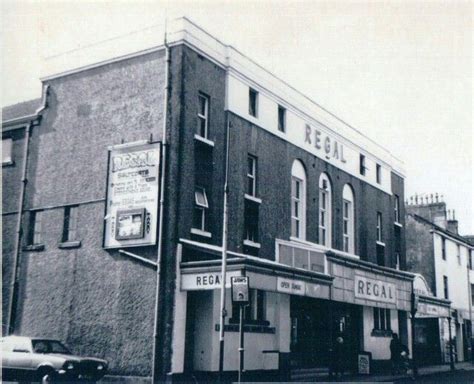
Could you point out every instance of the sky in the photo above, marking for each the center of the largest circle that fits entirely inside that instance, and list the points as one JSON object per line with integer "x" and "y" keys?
{"x": 398, "y": 71}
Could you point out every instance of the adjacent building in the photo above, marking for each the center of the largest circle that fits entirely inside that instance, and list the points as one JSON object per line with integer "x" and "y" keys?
{"x": 120, "y": 216}
{"x": 445, "y": 259}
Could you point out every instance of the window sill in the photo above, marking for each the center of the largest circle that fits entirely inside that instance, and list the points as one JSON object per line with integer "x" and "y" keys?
{"x": 250, "y": 243}
{"x": 8, "y": 163}
{"x": 398, "y": 224}
{"x": 69, "y": 244}
{"x": 204, "y": 140}
{"x": 381, "y": 333}
{"x": 380, "y": 243}
{"x": 34, "y": 248}
{"x": 253, "y": 198}
{"x": 200, "y": 232}
{"x": 247, "y": 328}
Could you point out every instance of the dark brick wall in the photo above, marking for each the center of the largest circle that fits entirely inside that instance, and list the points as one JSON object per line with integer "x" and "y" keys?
{"x": 420, "y": 250}
{"x": 11, "y": 187}
{"x": 98, "y": 301}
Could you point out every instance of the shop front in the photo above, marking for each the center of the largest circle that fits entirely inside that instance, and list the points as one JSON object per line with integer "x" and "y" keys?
{"x": 431, "y": 336}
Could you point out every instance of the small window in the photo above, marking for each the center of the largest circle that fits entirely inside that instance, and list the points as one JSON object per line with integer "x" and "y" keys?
{"x": 472, "y": 293}
{"x": 378, "y": 173}
{"x": 203, "y": 116}
{"x": 379, "y": 227}
{"x": 362, "y": 167}
{"x": 252, "y": 175}
{"x": 253, "y": 102}
{"x": 7, "y": 145}
{"x": 471, "y": 253}
{"x": 251, "y": 221}
{"x": 281, "y": 119}
{"x": 34, "y": 228}
{"x": 70, "y": 224}
{"x": 200, "y": 208}
{"x": 445, "y": 286}
{"x": 396, "y": 208}
{"x": 397, "y": 261}
{"x": 382, "y": 319}
{"x": 459, "y": 254}
{"x": 443, "y": 248}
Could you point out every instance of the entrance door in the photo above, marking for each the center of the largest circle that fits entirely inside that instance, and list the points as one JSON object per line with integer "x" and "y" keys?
{"x": 427, "y": 344}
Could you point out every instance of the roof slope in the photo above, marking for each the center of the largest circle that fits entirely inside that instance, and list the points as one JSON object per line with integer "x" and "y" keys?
{"x": 21, "y": 109}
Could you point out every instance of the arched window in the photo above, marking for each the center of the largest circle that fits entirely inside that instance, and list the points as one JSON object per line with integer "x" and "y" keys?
{"x": 298, "y": 200}
{"x": 325, "y": 209}
{"x": 348, "y": 220}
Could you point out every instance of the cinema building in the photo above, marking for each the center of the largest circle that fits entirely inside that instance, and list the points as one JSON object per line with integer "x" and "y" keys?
{"x": 125, "y": 162}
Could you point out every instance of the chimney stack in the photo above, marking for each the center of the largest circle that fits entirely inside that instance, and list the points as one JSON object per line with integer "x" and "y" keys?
{"x": 453, "y": 223}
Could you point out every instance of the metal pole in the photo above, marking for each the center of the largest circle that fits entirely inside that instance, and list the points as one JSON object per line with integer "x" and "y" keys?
{"x": 224, "y": 261}
{"x": 241, "y": 345}
{"x": 413, "y": 358}
{"x": 451, "y": 356}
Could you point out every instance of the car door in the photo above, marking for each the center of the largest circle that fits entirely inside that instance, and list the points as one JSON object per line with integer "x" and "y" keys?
{"x": 20, "y": 359}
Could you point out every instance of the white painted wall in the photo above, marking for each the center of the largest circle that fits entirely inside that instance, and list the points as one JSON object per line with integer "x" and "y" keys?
{"x": 267, "y": 118}
{"x": 206, "y": 350}
{"x": 456, "y": 273}
{"x": 379, "y": 346}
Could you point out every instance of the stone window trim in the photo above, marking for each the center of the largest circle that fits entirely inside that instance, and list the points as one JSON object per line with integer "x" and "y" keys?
{"x": 7, "y": 151}
{"x": 70, "y": 244}
{"x": 33, "y": 248}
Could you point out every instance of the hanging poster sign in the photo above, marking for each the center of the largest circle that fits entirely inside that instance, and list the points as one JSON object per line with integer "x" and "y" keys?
{"x": 132, "y": 195}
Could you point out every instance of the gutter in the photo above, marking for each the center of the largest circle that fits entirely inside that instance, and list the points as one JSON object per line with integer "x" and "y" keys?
{"x": 33, "y": 120}
{"x": 154, "y": 378}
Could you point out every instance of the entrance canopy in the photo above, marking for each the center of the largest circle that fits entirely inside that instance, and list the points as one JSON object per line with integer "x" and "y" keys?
{"x": 263, "y": 274}
{"x": 427, "y": 304}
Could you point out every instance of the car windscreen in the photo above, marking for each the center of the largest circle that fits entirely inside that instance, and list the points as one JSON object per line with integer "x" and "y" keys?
{"x": 50, "y": 346}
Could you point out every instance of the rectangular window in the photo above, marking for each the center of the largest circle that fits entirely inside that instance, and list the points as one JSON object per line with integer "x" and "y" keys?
{"x": 323, "y": 216}
{"x": 362, "y": 167}
{"x": 252, "y": 175}
{"x": 378, "y": 173}
{"x": 281, "y": 119}
{"x": 471, "y": 253}
{"x": 397, "y": 261}
{"x": 459, "y": 254}
{"x": 472, "y": 294}
{"x": 203, "y": 116}
{"x": 255, "y": 311}
{"x": 7, "y": 145}
{"x": 200, "y": 208}
{"x": 296, "y": 214}
{"x": 348, "y": 241}
{"x": 397, "y": 208}
{"x": 445, "y": 287}
{"x": 379, "y": 226}
{"x": 382, "y": 319}
{"x": 70, "y": 224}
{"x": 251, "y": 221}
{"x": 253, "y": 102}
{"x": 34, "y": 228}
{"x": 443, "y": 248}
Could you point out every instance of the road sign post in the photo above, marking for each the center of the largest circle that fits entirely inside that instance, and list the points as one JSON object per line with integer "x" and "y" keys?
{"x": 240, "y": 296}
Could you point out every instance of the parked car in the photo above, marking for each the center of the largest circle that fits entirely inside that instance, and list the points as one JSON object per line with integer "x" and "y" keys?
{"x": 46, "y": 361}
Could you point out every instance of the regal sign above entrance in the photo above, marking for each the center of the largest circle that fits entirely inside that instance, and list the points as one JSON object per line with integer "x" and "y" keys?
{"x": 206, "y": 280}
{"x": 132, "y": 195}
{"x": 375, "y": 290}
{"x": 329, "y": 146}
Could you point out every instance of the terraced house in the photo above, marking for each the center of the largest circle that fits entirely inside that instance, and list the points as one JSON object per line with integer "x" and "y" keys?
{"x": 121, "y": 216}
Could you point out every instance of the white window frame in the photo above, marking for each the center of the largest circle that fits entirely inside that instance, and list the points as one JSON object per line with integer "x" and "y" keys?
{"x": 7, "y": 148}
{"x": 252, "y": 177}
{"x": 254, "y": 91}
{"x": 349, "y": 220}
{"x": 298, "y": 202}
{"x": 204, "y": 116}
{"x": 379, "y": 227}
{"x": 325, "y": 194}
{"x": 396, "y": 208}
{"x": 202, "y": 206}
{"x": 281, "y": 128}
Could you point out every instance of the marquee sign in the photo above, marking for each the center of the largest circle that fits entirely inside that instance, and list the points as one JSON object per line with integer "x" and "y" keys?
{"x": 132, "y": 195}
{"x": 376, "y": 290}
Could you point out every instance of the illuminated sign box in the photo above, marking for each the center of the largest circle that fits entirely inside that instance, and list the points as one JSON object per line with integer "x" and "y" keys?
{"x": 132, "y": 211}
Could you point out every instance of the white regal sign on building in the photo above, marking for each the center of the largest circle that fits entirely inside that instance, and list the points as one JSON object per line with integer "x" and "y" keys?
{"x": 375, "y": 290}
{"x": 132, "y": 195}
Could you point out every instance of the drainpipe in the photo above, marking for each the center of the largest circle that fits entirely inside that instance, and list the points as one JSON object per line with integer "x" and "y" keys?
{"x": 469, "y": 290}
{"x": 13, "y": 299}
{"x": 160, "y": 219}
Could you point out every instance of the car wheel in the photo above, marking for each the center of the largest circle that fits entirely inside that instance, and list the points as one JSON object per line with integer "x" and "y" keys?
{"x": 46, "y": 376}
